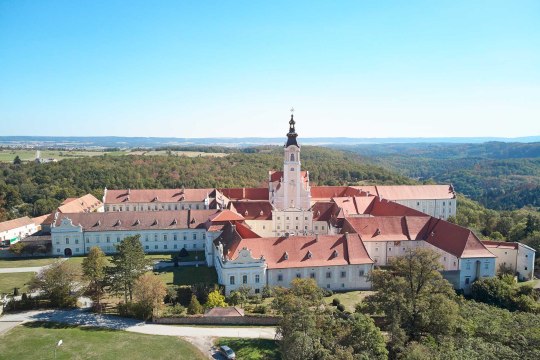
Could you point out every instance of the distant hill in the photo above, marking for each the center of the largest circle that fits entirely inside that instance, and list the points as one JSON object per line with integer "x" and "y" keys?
{"x": 498, "y": 175}
{"x": 152, "y": 142}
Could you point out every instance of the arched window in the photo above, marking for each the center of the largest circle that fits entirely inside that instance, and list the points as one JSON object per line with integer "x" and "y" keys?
{"x": 292, "y": 157}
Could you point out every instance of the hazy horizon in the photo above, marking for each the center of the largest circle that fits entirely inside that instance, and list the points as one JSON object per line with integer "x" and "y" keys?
{"x": 234, "y": 69}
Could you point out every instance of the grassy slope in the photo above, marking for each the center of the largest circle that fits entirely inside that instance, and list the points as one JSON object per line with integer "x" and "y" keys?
{"x": 18, "y": 263}
{"x": 37, "y": 340}
{"x": 252, "y": 349}
{"x": 10, "y": 281}
{"x": 188, "y": 275}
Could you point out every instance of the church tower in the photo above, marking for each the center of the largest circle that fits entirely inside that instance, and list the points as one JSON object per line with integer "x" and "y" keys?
{"x": 295, "y": 183}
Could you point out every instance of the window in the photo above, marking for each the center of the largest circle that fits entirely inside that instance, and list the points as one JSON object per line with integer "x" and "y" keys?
{"x": 175, "y": 246}
{"x": 67, "y": 240}
{"x": 278, "y": 218}
{"x": 486, "y": 265}
{"x": 298, "y": 275}
{"x": 231, "y": 280}
{"x": 118, "y": 239}
{"x": 343, "y": 274}
{"x": 146, "y": 238}
{"x": 376, "y": 249}
{"x": 76, "y": 241}
{"x": 287, "y": 218}
{"x": 165, "y": 247}
{"x": 194, "y": 246}
{"x": 175, "y": 237}
{"x": 292, "y": 169}
{"x": 322, "y": 227}
{"x": 57, "y": 250}
{"x": 389, "y": 249}
{"x": 361, "y": 273}
{"x": 257, "y": 291}
{"x": 280, "y": 277}
{"x": 312, "y": 275}
{"x": 467, "y": 280}
{"x": 155, "y": 237}
{"x": 525, "y": 268}
{"x": 526, "y": 255}
{"x": 257, "y": 279}
{"x": 165, "y": 237}
{"x": 316, "y": 227}
{"x": 468, "y": 266}
{"x": 292, "y": 157}
{"x": 204, "y": 236}
{"x": 194, "y": 236}
{"x": 244, "y": 279}
{"x": 297, "y": 218}
{"x": 305, "y": 227}
{"x": 155, "y": 247}
{"x": 418, "y": 203}
{"x": 87, "y": 240}
{"x": 305, "y": 218}
{"x": 328, "y": 275}
{"x": 185, "y": 237}
{"x": 108, "y": 239}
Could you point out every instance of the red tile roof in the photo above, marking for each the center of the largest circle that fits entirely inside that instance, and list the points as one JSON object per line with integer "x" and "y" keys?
{"x": 500, "y": 244}
{"x": 252, "y": 209}
{"x": 15, "y": 223}
{"x": 157, "y": 195}
{"x": 386, "y": 228}
{"x": 85, "y": 203}
{"x": 246, "y": 193}
{"x": 139, "y": 220}
{"x": 305, "y": 251}
{"x": 226, "y": 215}
{"x": 414, "y": 192}
{"x": 325, "y": 193}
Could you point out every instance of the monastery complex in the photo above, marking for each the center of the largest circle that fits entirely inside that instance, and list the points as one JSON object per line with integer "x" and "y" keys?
{"x": 290, "y": 229}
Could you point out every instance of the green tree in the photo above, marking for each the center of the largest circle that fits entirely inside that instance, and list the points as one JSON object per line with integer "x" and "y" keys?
{"x": 17, "y": 248}
{"x": 195, "y": 306}
{"x": 94, "y": 268}
{"x": 58, "y": 282}
{"x": 149, "y": 292}
{"x": 215, "y": 299}
{"x": 17, "y": 160}
{"x": 129, "y": 264}
{"x": 414, "y": 296}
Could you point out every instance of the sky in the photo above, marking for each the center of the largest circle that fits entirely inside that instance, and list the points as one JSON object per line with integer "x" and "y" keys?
{"x": 235, "y": 68}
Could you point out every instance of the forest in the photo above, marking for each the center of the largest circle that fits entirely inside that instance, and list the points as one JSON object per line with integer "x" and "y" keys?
{"x": 35, "y": 189}
{"x": 499, "y": 175}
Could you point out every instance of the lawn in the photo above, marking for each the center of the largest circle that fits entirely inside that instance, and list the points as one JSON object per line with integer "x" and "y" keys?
{"x": 37, "y": 341}
{"x": 12, "y": 280}
{"x": 349, "y": 299}
{"x": 18, "y": 263}
{"x": 188, "y": 275}
{"x": 252, "y": 349}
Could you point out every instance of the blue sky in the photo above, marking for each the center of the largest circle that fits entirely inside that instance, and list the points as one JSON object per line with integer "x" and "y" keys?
{"x": 234, "y": 68}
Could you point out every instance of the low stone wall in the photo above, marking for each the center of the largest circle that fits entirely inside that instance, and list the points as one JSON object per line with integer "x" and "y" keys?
{"x": 220, "y": 320}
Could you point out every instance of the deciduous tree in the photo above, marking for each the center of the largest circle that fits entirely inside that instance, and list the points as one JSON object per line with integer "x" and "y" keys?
{"x": 149, "y": 292}
{"x": 58, "y": 283}
{"x": 94, "y": 268}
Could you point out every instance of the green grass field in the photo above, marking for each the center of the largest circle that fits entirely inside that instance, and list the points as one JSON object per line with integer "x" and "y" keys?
{"x": 188, "y": 275}
{"x": 10, "y": 281}
{"x": 349, "y": 299}
{"x": 252, "y": 349}
{"x": 37, "y": 340}
{"x": 19, "y": 263}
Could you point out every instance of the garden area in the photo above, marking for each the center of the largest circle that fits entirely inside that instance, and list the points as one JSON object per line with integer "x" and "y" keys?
{"x": 252, "y": 349}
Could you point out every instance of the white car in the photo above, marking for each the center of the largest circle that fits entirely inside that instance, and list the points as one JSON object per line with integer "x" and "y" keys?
{"x": 227, "y": 352}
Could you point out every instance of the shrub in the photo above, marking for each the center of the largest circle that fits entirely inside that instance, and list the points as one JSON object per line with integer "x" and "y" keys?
{"x": 341, "y": 307}
{"x": 195, "y": 306}
{"x": 260, "y": 309}
{"x": 176, "y": 310}
{"x": 183, "y": 295}
{"x": 327, "y": 292}
{"x": 183, "y": 253}
{"x": 336, "y": 301}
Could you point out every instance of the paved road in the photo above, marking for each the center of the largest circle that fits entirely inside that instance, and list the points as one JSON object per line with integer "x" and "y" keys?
{"x": 200, "y": 336}
{"x": 21, "y": 269}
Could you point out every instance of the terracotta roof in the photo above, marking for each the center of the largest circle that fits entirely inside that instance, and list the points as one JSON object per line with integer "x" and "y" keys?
{"x": 414, "y": 192}
{"x": 139, "y": 220}
{"x": 456, "y": 240}
{"x": 253, "y": 209}
{"x": 322, "y": 193}
{"x": 383, "y": 207}
{"x": 226, "y": 215}
{"x": 157, "y": 195}
{"x": 40, "y": 219}
{"x": 246, "y": 193}
{"x": 245, "y": 231}
{"x": 230, "y": 311}
{"x": 500, "y": 244}
{"x": 85, "y": 203}
{"x": 387, "y": 228}
{"x": 324, "y": 210}
{"x": 15, "y": 223}
{"x": 305, "y": 251}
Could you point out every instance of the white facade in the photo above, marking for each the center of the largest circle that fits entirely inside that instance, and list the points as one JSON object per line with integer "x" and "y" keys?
{"x": 19, "y": 229}
{"x": 159, "y": 206}
{"x": 69, "y": 239}
{"x": 515, "y": 256}
{"x": 438, "y": 208}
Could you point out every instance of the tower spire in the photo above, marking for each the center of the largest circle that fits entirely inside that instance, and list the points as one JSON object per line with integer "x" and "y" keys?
{"x": 291, "y": 135}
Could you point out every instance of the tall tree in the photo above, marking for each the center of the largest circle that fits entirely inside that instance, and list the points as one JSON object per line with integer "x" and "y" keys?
{"x": 129, "y": 264}
{"x": 94, "y": 268}
{"x": 17, "y": 160}
{"x": 149, "y": 292}
{"x": 215, "y": 299}
{"x": 58, "y": 283}
{"x": 414, "y": 296}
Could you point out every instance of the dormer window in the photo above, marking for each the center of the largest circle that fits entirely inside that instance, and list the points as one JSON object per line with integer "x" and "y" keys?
{"x": 335, "y": 254}
{"x": 117, "y": 223}
{"x": 137, "y": 222}
{"x": 155, "y": 222}
{"x": 309, "y": 254}
{"x": 98, "y": 223}
{"x": 378, "y": 231}
{"x": 246, "y": 213}
{"x": 174, "y": 222}
{"x": 286, "y": 256}
{"x": 261, "y": 213}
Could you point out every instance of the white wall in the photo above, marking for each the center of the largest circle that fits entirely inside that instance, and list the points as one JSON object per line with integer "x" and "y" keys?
{"x": 442, "y": 208}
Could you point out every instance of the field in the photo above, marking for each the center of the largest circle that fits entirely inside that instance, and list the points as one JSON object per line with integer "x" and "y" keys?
{"x": 188, "y": 275}
{"x": 348, "y": 299}
{"x": 10, "y": 281}
{"x": 37, "y": 341}
{"x": 252, "y": 349}
{"x": 8, "y": 155}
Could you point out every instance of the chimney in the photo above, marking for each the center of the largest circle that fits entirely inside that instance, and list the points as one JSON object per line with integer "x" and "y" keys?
{"x": 189, "y": 218}
{"x": 316, "y": 237}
